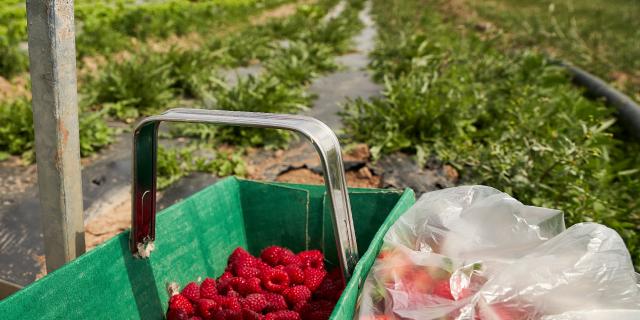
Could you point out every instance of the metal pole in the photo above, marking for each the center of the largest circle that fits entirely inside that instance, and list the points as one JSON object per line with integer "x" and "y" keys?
{"x": 55, "y": 119}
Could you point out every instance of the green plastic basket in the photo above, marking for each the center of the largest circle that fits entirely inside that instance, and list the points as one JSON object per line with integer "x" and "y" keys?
{"x": 193, "y": 239}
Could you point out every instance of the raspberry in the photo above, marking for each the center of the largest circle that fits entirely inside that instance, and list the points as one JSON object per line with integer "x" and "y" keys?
{"x": 287, "y": 257}
{"x": 208, "y": 289}
{"x": 271, "y": 255}
{"x": 251, "y": 315}
{"x": 252, "y": 285}
{"x": 207, "y": 307}
{"x": 237, "y": 284}
{"x": 297, "y": 294}
{"x": 317, "y": 310}
{"x": 228, "y": 303}
{"x": 299, "y": 306}
{"x": 191, "y": 291}
{"x": 176, "y": 314}
{"x": 275, "y": 302}
{"x": 283, "y": 315}
{"x": 181, "y": 303}
{"x": 295, "y": 273}
{"x": 255, "y": 302}
{"x": 247, "y": 272}
{"x": 443, "y": 289}
{"x": 313, "y": 278}
{"x": 311, "y": 259}
{"x": 233, "y": 294}
{"x": 274, "y": 280}
{"x": 225, "y": 276}
{"x": 196, "y": 318}
{"x": 228, "y": 315}
{"x": 329, "y": 289}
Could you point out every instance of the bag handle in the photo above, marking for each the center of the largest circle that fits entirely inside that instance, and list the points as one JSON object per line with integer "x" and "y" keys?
{"x": 145, "y": 144}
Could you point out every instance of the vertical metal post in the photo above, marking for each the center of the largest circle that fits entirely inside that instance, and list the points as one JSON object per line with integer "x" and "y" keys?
{"x": 55, "y": 117}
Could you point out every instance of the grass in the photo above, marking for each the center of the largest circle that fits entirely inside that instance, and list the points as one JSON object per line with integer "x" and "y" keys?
{"x": 509, "y": 119}
{"x": 600, "y": 36}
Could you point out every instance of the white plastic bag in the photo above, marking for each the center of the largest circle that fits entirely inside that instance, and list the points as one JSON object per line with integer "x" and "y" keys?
{"x": 476, "y": 253}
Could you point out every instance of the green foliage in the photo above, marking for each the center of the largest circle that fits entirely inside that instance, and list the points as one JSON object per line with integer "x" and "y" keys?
{"x": 94, "y": 132}
{"x": 142, "y": 83}
{"x": 12, "y": 59}
{"x": 299, "y": 62}
{"x": 16, "y": 131}
{"x": 173, "y": 164}
{"x": 598, "y": 35}
{"x": 512, "y": 121}
{"x": 191, "y": 70}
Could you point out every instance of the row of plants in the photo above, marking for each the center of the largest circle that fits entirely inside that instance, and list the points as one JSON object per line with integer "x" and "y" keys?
{"x": 120, "y": 88}
{"x": 292, "y": 52}
{"x": 105, "y": 27}
{"x": 599, "y": 35}
{"x": 509, "y": 119}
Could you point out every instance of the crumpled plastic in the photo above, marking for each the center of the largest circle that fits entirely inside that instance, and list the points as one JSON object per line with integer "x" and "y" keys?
{"x": 475, "y": 253}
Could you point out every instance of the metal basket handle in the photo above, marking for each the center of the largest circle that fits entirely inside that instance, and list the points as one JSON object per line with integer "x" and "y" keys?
{"x": 145, "y": 143}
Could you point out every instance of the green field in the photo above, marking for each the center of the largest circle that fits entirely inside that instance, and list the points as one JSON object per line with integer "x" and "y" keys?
{"x": 505, "y": 118}
{"x": 600, "y": 36}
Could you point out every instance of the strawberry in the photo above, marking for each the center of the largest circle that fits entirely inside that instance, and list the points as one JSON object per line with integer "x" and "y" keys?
{"x": 297, "y": 294}
{"x": 177, "y": 314}
{"x": 317, "y": 310}
{"x": 207, "y": 308}
{"x": 191, "y": 291}
{"x": 271, "y": 255}
{"x": 181, "y": 303}
{"x": 255, "y": 302}
{"x": 313, "y": 278}
{"x": 295, "y": 273}
{"x": 274, "y": 280}
{"x": 208, "y": 289}
{"x": 283, "y": 315}
{"x": 275, "y": 302}
{"x": 442, "y": 289}
{"x": 251, "y": 315}
{"x": 311, "y": 259}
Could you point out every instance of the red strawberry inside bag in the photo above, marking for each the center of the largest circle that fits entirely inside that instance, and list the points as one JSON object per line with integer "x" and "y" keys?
{"x": 476, "y": 253}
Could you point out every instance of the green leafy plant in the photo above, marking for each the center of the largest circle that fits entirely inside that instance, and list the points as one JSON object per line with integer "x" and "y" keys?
{"x": 299, "y": 62}
{"x": 509, "y": 120}
{"x": 16, "y": 132}
{"x": 142, "y": 83}
{"x": 175, "y": 163}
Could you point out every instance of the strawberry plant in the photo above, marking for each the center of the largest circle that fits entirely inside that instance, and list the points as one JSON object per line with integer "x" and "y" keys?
{"x": 509, "y": 120}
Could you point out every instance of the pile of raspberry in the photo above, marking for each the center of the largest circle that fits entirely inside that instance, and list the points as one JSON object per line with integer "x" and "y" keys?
{"x": 279, "y": 285}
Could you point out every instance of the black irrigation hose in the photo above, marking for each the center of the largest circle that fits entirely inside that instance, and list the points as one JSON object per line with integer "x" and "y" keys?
{"x": 628, "y": 110}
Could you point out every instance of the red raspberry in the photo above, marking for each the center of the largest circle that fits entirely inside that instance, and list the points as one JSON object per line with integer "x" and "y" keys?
{"x": 181, "y": 303}
{"x": 207, "y": 308}
{"x": 255, "y": 302}
{"x": 208, "y": 289}
{"x": 237, "y": 284}
{"x": 311, "y": 259}
{"x": 271, "y": 255}
{"x": 283, "y": 315}
{"x": 443, "y": 289}
{"x": 295, "y": 273}
{"x": 196, "y": 318}
{"x": 225, "y": 276}
{"x": 252, "y": 285}
{"x": 297, "y": 294}
{"x": 251, "y": 315}
{"x": 228, "y": 303}
{"x": 228, "y": 315}
{"x": 274, "y": 280}
{"x": 232, "y": 293}
{"x": 329, "y": 289}
{"x": 247, "y": 272}
{"x": 176, "y": 314}
{"x": 299, "y": 306}
{"x": 317, "y": 310}
{"x": 287, "y": 257}
{"x": 275, "y": 302}
{"x": 313, "y": 278}
{"x": 191, "y": 291}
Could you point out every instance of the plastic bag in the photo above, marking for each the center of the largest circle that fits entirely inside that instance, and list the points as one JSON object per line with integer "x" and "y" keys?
{"x": 476, "y": 253}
